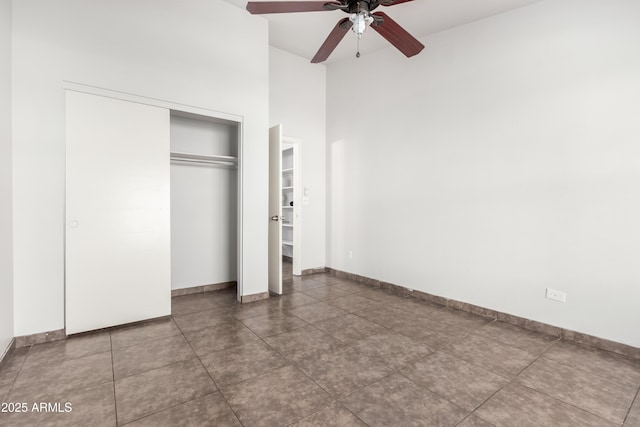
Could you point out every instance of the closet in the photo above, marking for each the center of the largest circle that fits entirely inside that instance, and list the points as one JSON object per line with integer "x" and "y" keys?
{"x": 204, "y": 189}
{"x": 151, "y": 206}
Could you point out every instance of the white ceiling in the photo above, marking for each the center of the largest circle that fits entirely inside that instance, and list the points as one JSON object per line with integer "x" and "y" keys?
{"x": 303, "y": 33}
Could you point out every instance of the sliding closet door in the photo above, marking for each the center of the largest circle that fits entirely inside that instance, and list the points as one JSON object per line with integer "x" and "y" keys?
{"x": 117, "y": 212}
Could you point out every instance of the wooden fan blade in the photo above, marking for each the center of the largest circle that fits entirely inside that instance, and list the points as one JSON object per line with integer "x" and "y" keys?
{"x": 264, "y": 7}
{"x": 392, "y": 2}
{"x": 397, "y": 36}
{"x": 329, "y": 45}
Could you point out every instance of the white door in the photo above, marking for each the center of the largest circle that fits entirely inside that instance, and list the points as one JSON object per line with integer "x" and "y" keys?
{"x": 275, "y": 209}
{"x": 117, "y": 212}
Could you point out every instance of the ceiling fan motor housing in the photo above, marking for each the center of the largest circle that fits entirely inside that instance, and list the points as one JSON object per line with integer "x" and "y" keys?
{"x": 355, "y": 6}
{"x": 359, "y": 6}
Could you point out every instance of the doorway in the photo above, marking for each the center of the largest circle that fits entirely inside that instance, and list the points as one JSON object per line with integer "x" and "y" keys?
{"x": 291, "y": 207}
{"x": 285, "y": 209}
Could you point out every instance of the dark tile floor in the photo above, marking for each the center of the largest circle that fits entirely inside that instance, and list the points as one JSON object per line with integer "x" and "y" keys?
{"x": 329, "y": 352}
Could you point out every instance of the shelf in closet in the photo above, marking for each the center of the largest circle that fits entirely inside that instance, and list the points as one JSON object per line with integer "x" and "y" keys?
{"x": 290, "y": 170}
{"x": 287, "y": 243}
{"x": 287, "y": 207}
{"x": 287, "y": 188}
{"x": 287, "y": 225}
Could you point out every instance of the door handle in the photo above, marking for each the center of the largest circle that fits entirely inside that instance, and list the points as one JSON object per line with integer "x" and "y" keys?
{"x": 274, "y": 218}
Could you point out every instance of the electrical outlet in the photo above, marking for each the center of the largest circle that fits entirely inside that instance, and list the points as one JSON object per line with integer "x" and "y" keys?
{"x": 350, "y": 254}
{"x": 556, "y": 295}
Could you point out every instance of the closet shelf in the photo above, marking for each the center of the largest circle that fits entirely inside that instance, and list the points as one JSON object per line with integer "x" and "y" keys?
{"x": 287, "y": 225}
{"x": 287, "y": 188}
{"x": 227, "y": 161}
{"x": 287, "y": 243}
{"x": 290, "y": 170}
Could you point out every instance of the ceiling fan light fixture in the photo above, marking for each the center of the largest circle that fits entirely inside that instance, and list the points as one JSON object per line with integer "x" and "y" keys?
{"x": 361, "y": 21}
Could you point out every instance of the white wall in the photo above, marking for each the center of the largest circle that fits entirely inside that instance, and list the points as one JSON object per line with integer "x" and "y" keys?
{"x": 502, "y": 160}
{"x": 297, "y": 100}
{"x": 6, "y": 239}
{"x": 203, "y": 206}
{"x": 173, "y": 51}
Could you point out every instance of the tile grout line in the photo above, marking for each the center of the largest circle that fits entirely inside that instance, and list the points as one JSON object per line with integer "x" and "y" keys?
{"x": 515, "y": 381}
{"x": 326, "y": 407}
{"x": 396, "y": 370}
{"x": 510, "y": 380}
{"x": 289, "y": 314}
{"x": 442, "y": 349}
{"x": 333, "y": 398}
{"x": 471, "y": 414}
{"x": 579, "y": 367}
{"x": 167, "y": 408}
{"x": 352, "y": 413}
{"x": 18, "y": 372}
{"x": 295, "y": 364}
{"x": 209, "y": 374}
{"x": 467, "y": 333}
{"x": 143, "y": 343}
{"x": 113, "y": 376}
{"x": 402, "y": 291}
{"x": 439, "y": 395}
{"x": 365, "y": 386}
{"x": 636, "y": 399}
{"x": 289, "y": 363}
{"x": 496, "y": 321}
{"x": 152, "y": 368}
{"x": 65, "y": 360}
{"x": 171, "y": 364}
{"x": 567, "y": 403}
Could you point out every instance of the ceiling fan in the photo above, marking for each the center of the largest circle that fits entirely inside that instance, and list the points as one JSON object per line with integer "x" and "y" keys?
{"x": 361, "y": 16}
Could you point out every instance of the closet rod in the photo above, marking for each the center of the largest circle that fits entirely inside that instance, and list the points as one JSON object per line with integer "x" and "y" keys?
{"x": 208, "y": 162}
{"x": 227, "y": 161}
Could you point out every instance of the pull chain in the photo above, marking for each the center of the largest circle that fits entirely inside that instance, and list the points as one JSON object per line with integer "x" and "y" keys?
{"x": 359, "y": 35}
